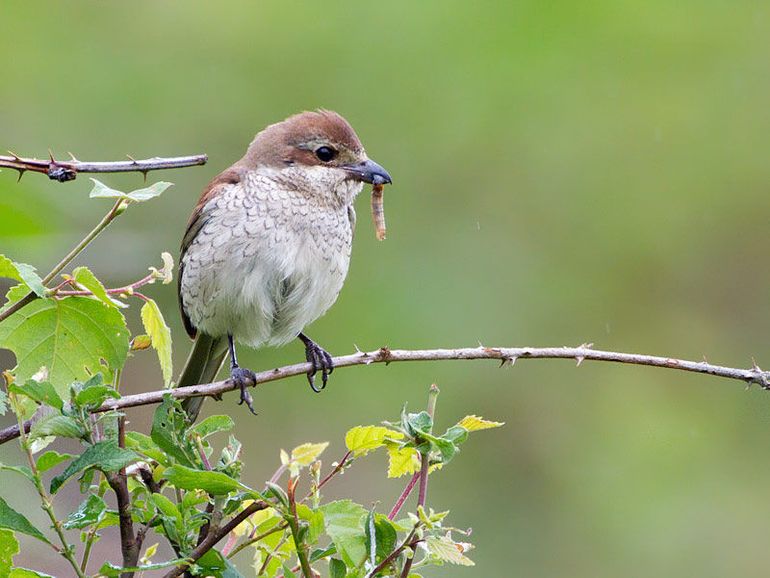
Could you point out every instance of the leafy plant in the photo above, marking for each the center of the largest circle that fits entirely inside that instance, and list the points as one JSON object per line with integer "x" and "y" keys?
{"x": 180, "y": 482}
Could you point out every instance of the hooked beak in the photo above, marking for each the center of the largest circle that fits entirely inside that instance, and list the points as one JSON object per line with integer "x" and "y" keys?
{"x": 369, "y": 172}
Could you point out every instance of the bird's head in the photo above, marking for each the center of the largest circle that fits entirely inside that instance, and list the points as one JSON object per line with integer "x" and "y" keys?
{"x": 319, "y": 148}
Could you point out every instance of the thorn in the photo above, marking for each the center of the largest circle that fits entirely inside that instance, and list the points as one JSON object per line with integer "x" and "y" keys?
{"x": 72, "y": 157}
{"x": 14, "y": 155}
{"x": 508, "y": 361}
{"x": 705, "y": 360}
{"x": 21, "y": 174}
{"x": 585, "y": 346}
{"x": 579, "y": 359}
{"x": 50, "y": 155}
{"x": 133, "y": 160}
{"x": 357, "y": 349}
{"x": 144, "y": 172}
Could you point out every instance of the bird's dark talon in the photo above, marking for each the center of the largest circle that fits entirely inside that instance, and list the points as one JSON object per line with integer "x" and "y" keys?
{"x": 244, "y": 378}
{"x": 320, "y": 359}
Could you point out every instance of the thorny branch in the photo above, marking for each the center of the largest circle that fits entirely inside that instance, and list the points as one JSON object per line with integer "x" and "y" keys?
{"x": 63, "y": 171}
{"x": 506, "y": 355}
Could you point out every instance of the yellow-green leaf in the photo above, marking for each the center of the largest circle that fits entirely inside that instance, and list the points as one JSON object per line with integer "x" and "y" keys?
{"x": 160, "y": 335}
{"x": 476, "y": 423}
{"x": 88, "y": 281}
{"x": 446, "y": 549}
{"x": 362, "y": 439}
{"x": 306, "y": 454}
{"x": 402, "y": 461}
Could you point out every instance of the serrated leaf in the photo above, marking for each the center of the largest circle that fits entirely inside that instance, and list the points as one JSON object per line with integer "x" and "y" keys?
{"x": 89, "y": 512}
{"x": 22, "y": 272}
{"x": 56, "y": 425}
{"x": 447, "y": 550}
{"x": 362, "y": 439}
{"x": 10, "y": 519}
{"x": 105, "y": 456}
{"x": 88, "y": 281}
{"x": 306, "y": 454}
{"x": 160, "y": 336}
{"x": 213, "y": 424}
{"x": 9, "y": 547}
{"x": 344, "y": 521}
{"x": 402, "y": 461}
{"x": 417, "y": 423}
{"x": 70, "y": 337}
{"x": 215, "y": 483}
{"x": 166, "y": 507}
{"x": 38, "y": 391}
{"x": 51, "y": 459}
{"x": 169, "y": 425}
{"x": 476, "y": 423}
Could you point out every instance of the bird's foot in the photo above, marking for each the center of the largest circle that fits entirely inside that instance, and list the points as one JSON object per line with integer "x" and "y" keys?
{"x": 244, "y": 378}
{"x": 320, "y": 359}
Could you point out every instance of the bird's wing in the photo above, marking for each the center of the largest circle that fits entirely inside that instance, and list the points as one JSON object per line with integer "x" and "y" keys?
{"x": 198, "y": 219}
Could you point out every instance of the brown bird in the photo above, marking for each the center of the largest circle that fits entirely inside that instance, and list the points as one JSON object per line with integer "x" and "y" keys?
{"x": 267, "y": 247}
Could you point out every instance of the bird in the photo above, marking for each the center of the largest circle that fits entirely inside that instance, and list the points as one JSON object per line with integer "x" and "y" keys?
{"x": 267, "y": 247}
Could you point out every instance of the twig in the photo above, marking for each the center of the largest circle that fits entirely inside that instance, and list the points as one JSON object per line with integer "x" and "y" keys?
{"x": 403, "y": 497}
{"x": 63, "y": 171}
{"x": 116, "y": 210}
{"x": 299, "y": 544}
{"x": 424, "y": 469}
{"x": 385, "y": 355}
{"x": 214, "y": 537}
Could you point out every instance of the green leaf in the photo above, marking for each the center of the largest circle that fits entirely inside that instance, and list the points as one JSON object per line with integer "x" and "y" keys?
{"x": 476, "y": 423}
{"x": 51, "y": 459}
{"x": 169, "y": 425}
{"x": 213, "y": 424}
{"x": 88, "y": 281}
{"x": 160, "y": 336}
{"x": 141, "y": 195}
{"x": 12, "y": 520}
{"x": 14, "y": 294}
{"x": 22, "y": 272}
{"x": 166, "y": 507}
{"x": 105, "y": 456}
{"x": 385, "y": 536}
{"x": 215, "y": 483}
{"x": 337, "y": 568}
{"x": 38, "y": 391}
{"x": 456, "y": 434}
{"x": 110, "y": 570}
{"x": 447, "y": 550}
{"x": 101, "y": 190}
{"x": 362, "y": 439}
{"x": 417, "y": 423}
{"x": 91, "y": 397}
{"x": 344, "y": 521}
{"x": 70, "y": 337}
{"x": 9, "y": 547}
{"x": 89, "y": 512}
{"x": 21, "y": 470}
{"x": 212, "y": 563}
{"x": 144, "y": 445}
{"x": 56, "y": 425}
{"x": 304, "y": 455}
{"x": 27, "y": 573}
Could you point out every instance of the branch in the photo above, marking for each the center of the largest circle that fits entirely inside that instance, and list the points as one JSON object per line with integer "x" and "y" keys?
{"x": 214, "y": 537}
{"x": 507, "y": 356}
{"x": 68, "y": 170}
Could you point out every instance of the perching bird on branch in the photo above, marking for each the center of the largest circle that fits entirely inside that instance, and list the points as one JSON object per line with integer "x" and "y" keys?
{"x": 267, "y": 247}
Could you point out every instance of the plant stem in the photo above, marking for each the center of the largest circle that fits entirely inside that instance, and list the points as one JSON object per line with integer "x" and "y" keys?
{"x": 67, "y": 549}
{"x": 404, "y": 496}
{"x": 90, "y": 537}
{"x": 279, "y": 528}
{"x": 293, "y": 520}
{"x": 103, "y": 224}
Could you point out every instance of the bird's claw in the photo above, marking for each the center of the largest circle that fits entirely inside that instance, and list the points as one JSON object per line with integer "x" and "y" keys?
{"x": 320, "y": 359}
{"x": 244, "y": 378}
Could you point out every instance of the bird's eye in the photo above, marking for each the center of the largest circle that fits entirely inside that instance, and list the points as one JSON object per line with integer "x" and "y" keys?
{"x": 325, "y": 154}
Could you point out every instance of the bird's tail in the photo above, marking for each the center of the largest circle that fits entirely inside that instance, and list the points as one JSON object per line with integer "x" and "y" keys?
{"x": 202, "y": 366}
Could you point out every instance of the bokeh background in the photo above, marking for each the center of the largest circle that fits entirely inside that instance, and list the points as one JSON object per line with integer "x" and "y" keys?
{"x": 564, "y": 172}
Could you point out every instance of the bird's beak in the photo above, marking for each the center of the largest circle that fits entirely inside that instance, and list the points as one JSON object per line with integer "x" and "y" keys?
{"x": 369, "y": 172}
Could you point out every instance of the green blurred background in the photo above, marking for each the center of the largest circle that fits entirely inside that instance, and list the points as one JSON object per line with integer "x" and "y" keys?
{"x": 564, "y": 172}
